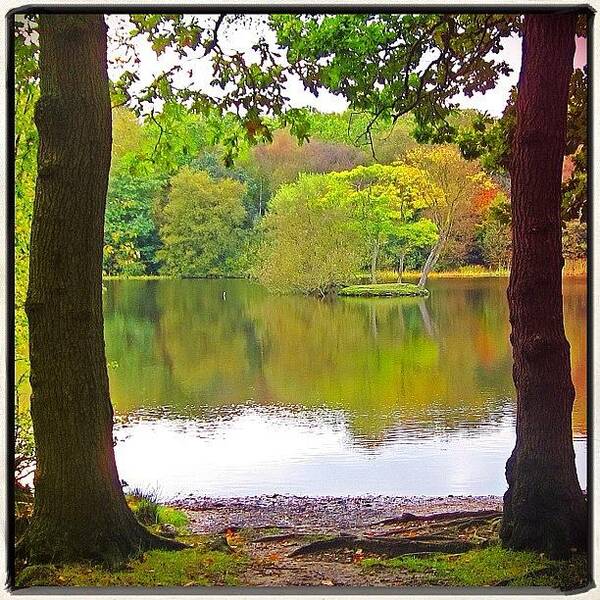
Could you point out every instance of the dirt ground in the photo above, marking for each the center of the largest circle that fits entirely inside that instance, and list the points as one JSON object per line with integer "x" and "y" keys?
{"x": 332, "y": 536}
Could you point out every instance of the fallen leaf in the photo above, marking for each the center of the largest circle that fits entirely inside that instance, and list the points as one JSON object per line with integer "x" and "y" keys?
{"x": 358, "y": 556}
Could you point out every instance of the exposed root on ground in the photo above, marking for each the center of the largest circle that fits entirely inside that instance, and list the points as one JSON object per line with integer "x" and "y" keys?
{"x": 447, "y": 533}
{"x": 409, "y": 517}
{"x": 383, "y": 545}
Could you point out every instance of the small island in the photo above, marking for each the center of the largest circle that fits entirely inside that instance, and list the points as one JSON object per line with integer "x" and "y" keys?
{"x": 384, "y": 290}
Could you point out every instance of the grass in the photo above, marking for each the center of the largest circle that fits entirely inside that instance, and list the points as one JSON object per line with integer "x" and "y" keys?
{"x": 217, "y": 560}
{"x": 199, "y": 565}
{"x": 209, "y": 561}
{"x": 143, "y": 277}
{"x": 489, "y": 567}
{"x": 462, "y": 272}
{"x": 148, "y": 511}
{"x": 384, "y": 289}
{"x": 575, "y": 267}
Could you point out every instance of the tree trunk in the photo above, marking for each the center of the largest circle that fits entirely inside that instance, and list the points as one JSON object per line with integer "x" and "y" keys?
{"x": 431, "y": 260}
{"x": 79, "y": 510}
{"x": 374, "y": 259}
{"x": 400, "y": 267}
{"x": 544, "y": 508}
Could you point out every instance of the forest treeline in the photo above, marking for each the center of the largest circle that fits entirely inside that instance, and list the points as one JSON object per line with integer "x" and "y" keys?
{"x": 298, "y": 217}
{"x": 345, "y": 202}
{"x": 301, "y": 217}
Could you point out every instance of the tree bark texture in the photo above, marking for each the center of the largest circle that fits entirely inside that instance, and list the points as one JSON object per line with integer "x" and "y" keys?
{"x": 80, "y": 511}
{"x": 544, "y": 508}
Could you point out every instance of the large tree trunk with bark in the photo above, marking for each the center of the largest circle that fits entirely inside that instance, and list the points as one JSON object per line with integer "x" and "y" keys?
{"x": 80, "y": 511}
{"x": 544, "y": 508}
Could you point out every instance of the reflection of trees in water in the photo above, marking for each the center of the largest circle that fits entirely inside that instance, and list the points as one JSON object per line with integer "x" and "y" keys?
{"x": 143, "y": 373}
{"x": 428, "y": 324}
{"x": 180, "y": 343}
{"x": 575, "y": 309}
{"x": 405, "y": 428}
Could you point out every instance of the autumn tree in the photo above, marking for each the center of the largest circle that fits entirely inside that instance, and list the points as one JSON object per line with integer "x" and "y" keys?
{"x": 130, "y": 234}
{"x": 494, "y": 232}
{"x": 575, "y": 239}
{"x": 456, "y": 178}
{"x": 283, "y": 159}
{"x": 80, "y": 511}
{"x": 382, "y": 199}
{"x": 409, "y": 238}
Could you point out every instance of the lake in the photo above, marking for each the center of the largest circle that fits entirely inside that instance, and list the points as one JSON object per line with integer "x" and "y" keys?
{"x": 222, "y": 389}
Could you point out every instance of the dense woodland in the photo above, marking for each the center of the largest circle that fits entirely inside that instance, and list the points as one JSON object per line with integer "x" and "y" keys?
{"x": 302, "y": 202}
{"x": 394, "y": 203}
{"x": 159, "y": 211}
{"x": 178, "y": 206}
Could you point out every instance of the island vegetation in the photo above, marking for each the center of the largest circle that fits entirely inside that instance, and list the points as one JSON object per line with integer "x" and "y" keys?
{"x": 303, "y": 202}
{"x": 389, "y": 290}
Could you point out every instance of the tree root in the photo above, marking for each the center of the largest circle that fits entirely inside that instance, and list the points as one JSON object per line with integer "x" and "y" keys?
{"x": 45, "y": 542}
{"x": 157, "y": 542}
{"x": 383, "y": 545}
{"x": 471, "y": 527}
{"x": 275, "y": 538}
{"x": 453, "y": 516}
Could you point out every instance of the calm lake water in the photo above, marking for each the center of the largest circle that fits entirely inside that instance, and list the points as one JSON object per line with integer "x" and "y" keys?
{"x": 222, "y": 389}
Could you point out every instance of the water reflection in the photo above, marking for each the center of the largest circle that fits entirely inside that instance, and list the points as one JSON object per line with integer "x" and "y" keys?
{"x": 258, "y": 393}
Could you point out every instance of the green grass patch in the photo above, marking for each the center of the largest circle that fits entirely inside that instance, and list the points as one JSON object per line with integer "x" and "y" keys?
{"x": 136, "y": 277}
{"x": 147, "y": 510}
{"x": 464, "y": 272}
{"x": 197, "y": 565}
{"x": 489, "y": 567}
{"x": 172, "y": 516}
{"x": 384, "y": 289}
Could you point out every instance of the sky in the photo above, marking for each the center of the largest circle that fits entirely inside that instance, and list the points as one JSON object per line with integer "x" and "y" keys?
{"x": 243, "y": 37}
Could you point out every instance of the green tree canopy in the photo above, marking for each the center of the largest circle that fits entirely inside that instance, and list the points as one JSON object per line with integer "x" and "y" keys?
{"x": 311, "y": 244}
{"x": 409, "y": 239}
{"x": 201, "y": 226}
{"x": 383, "y": 198}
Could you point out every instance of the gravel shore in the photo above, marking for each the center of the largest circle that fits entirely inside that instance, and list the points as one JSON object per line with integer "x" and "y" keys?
{"x": 325, "y": 513}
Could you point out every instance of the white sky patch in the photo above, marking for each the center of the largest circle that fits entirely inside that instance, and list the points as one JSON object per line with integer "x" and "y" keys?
{"x": 198, "y": 70}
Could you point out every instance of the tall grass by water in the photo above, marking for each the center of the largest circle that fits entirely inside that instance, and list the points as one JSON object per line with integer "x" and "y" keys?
{"x": 576, "y": 267}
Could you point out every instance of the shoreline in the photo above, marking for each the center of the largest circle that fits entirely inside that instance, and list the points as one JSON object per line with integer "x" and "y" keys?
{"x": 408, "y": 277}
{"x": 323, "y": 514}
